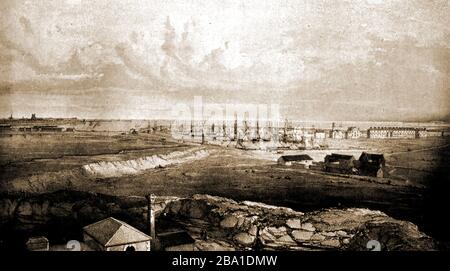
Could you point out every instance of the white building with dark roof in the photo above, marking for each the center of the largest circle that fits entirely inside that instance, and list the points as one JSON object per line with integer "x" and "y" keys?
{"x": 301, "y": 159}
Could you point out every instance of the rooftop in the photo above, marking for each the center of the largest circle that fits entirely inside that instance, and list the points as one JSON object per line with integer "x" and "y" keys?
{"x": 371, "y": 158}
{"x": 299, "y": 157}
{"x": 340, "y": 156}
{"x": 112, "y": 232}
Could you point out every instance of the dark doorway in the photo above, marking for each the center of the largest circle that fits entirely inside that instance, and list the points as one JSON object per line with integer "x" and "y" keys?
{"x": 130, "y": 248}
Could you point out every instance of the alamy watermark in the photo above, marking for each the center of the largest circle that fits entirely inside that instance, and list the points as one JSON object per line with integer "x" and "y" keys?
{"x": 225, "y": 122}
{"x": 373, "y": 245}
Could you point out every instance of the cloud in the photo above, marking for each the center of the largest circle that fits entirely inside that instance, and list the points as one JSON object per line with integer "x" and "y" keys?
{"x": 169, "y": 47}
{"x": 367, "y": 51}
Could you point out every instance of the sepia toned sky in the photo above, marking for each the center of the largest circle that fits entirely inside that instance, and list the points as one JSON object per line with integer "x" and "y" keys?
{"x": 318, "y": 59}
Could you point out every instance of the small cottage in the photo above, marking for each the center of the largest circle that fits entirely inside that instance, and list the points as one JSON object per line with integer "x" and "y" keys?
{"x": 301, "y": 159}
{"x": 111, "y": 234}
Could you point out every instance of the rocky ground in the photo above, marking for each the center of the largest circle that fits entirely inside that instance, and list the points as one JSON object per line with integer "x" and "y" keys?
{"x": 256, "y": 226}
{"x": 215, "y": 223}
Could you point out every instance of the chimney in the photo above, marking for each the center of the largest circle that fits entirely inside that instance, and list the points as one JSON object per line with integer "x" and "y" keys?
{"x": 151, "y": 218}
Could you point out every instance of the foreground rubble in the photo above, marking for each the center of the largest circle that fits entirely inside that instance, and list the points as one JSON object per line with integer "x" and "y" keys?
{"x": 216, "y": 223}
{"x": 255, "y": 226}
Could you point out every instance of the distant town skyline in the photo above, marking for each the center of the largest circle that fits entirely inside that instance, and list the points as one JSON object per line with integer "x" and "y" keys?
{"x": 319, "y": 60}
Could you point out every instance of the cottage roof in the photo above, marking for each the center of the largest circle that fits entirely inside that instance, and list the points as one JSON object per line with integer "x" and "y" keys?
{"x": 372, "y": 158}
{"x": 337, "y": 157}
{"x": 112, "y": 232}
{"x": 299, "y": 157}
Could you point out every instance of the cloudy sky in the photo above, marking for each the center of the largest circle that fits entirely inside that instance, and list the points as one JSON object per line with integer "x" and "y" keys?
{"x": 318, "y": 59}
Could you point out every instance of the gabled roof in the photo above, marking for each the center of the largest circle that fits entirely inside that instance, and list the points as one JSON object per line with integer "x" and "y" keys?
{"x": 111, "y": 232}
{"x": 300, "y": 157}
{"x": 372, "y": 158}
{"x": 337, "y": 157}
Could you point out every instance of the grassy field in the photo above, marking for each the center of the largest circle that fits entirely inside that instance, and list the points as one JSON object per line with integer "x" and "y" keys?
{"x": 26, "y": 147}
{"x": 31, "y": 154}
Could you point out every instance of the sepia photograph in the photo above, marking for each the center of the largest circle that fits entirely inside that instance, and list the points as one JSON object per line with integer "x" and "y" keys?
{"x": 224, "y": 125}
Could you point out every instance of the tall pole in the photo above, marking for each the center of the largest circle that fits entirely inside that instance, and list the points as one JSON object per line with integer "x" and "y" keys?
{"x": 151, "y": 218}
{"x": 258, "y": 136}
